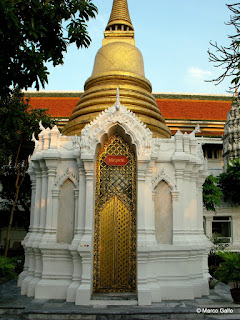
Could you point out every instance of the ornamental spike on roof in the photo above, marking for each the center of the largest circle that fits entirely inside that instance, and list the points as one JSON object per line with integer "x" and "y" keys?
{"x": 120, "y": 17}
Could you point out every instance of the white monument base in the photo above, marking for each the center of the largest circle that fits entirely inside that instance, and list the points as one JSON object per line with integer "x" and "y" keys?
{"x": 172, "y": 249}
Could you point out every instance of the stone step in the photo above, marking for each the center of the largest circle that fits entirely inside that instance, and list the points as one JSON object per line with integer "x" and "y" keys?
{"x": 11, "y": 314}
{"x": 114, "y": 296}
{"x": 224, "y": 317}
{"x": 114, "y": 314}
{"x": 114, "y": 317}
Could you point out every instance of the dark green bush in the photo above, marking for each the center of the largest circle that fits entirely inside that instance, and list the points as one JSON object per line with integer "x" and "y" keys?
{"x": 7, "y": 268}
{"x": 229, "y": 269}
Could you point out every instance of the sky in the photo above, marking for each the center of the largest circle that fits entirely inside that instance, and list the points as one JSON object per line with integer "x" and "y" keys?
{"x": 173, "y": 37}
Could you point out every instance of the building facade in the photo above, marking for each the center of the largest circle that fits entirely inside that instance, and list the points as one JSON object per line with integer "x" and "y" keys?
{"x": 116, "y": 200}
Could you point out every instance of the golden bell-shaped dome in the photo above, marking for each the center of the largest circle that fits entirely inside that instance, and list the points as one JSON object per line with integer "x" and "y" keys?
{"x": 118, "y": 56}
{"x": 118, "y": 64}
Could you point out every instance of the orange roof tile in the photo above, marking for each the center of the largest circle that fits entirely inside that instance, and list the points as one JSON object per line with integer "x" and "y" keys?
{"x": 59, "y": 107}
{"x": 194, "y": 109}
{"x": 182, "y": 109}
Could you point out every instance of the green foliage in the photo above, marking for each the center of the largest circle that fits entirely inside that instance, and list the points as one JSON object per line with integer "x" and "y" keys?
{"x": 22, "y": 211}
{"x": 18, "y": 121}
{"x": 33, "y": 32}
{"x": 7, "y": 268}
{"x": 211, "y": 193}
{"x": 229, "y": 269}
{"x": 213, "y": 259}
{"x": 218, "y": 244}
{"x": 229, "y": 182}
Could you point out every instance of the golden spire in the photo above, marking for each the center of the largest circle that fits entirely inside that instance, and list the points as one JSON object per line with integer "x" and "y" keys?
{"x": 118, "y": 64}
{"x": 119, "y": 27}
{"x": 120, "y": 18}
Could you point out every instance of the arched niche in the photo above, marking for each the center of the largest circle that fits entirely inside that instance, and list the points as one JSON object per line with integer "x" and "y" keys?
{"x": 66, "y": 213}
{"x": 116, "y": 129}
{"x": 163, "y": 213}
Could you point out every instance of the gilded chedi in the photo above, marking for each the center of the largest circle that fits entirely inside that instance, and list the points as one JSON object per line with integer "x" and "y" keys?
{"x": 118, "y": 64}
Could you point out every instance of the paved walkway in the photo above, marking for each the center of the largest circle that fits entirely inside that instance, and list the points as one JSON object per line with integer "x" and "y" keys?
{"x": 218, "y": 305}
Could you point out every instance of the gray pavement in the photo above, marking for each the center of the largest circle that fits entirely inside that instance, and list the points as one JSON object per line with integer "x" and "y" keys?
{"x": 218, "y": 305}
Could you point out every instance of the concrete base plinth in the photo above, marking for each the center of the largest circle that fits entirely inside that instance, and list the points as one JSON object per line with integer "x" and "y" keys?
{"x": 52, "y": 289}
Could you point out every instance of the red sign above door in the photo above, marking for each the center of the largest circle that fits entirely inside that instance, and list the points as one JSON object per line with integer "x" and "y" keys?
{"x": 116, "y": 160}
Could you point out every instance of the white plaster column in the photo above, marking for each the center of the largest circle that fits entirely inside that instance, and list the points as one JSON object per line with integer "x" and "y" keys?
{"x": 78, "y": 231}
{"x": 143, "y": 290}
{"x": 85, "y": 247}
{"x": 149, "y": 206}
{"x": 179, "y": 206}
{"x": 142, "y": 213}
{"x": 76, "y": 195}
{"x": 33, "y": 197}
{"x": 31, "y": 270}
{"x": 76, "y": 278}
{"x": 38, "y": 266}
{"x": 209, "y": 220}
{"x": 175, "y": 212}
{"x": 38, "y": 192}
{"x": 55, "y": 208}
{"x": 89, "y": 199}
{"x": 44, "y": 196}
{"x": 37, "y": 272}
{"x": 81, "y": 208}
{"x": 33, "y": 238}
{"x": 24, "y": 273}
{"x": 84, "y": 292}
{"x": 50, "y": 230}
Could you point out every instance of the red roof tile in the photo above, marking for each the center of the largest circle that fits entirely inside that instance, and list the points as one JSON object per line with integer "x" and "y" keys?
{"x": 62, "y": 107}
{"x": 194, "y": 109}
{"x": 59, "y": 107}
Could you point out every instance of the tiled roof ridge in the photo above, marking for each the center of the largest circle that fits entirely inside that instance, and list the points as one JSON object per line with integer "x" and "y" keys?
{"x": 157, "y": 95}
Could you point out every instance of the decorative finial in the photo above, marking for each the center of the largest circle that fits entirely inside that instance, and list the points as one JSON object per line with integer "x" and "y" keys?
{"x": 196, "y": 130}
{"x": 41, "y": 127}
{"x": 36, "y": 142}
{"x": 117, "y": 103}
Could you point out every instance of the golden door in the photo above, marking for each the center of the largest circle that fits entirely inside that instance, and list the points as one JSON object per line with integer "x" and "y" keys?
{"x": 115, "y": 218}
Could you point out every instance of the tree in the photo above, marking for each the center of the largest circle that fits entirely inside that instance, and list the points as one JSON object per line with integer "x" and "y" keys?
{"x": 22, "y": 209}
{"x": 18, "y": 121}
{"x": 33, "y": 32}
{"x": 229, "y": 57}
{"x": 229, "y": 182}
{"x": 211, "y": 193}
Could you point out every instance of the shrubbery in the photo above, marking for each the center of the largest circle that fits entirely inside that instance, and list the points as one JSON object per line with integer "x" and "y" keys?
{"x": 7, "y": 268}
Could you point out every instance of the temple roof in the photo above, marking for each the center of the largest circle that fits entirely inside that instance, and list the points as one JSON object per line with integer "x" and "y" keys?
{"x": 176, "y": 108}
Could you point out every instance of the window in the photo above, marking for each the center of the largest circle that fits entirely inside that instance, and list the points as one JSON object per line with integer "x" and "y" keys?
{"x": 222, "y": 228}
{"x": 212, "y": 151}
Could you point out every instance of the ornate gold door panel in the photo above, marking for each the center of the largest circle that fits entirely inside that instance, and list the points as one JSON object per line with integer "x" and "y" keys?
{"x": 115, "y": 218}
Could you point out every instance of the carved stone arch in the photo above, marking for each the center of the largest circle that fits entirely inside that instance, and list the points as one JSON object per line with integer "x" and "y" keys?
{"x": 67, "y": 175}
{"x": 92, "y": 133}
{"x": 120, "y": 130}
{"x": 162, "y": 176}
